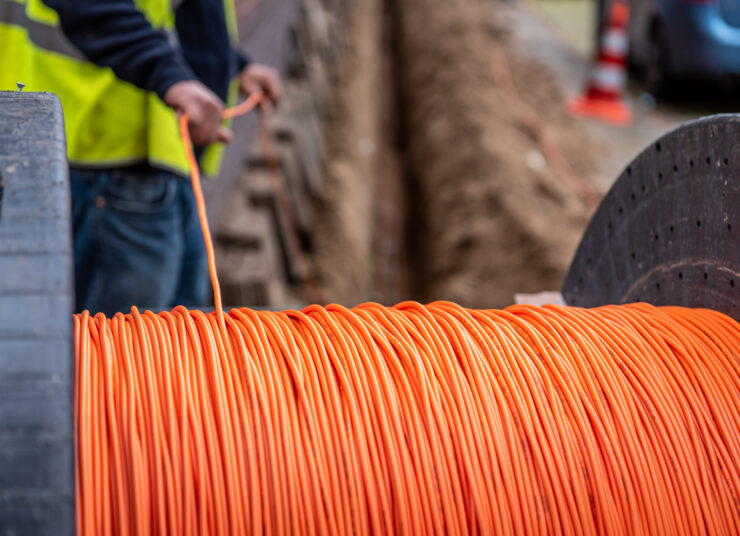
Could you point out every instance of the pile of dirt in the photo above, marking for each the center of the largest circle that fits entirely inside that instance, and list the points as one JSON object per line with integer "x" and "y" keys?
{"x": 498, "y": 172}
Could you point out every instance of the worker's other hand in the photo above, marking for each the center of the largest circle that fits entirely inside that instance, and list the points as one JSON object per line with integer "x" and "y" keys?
{"x": 256, "y": 78}
{"x": 203, "y": 108}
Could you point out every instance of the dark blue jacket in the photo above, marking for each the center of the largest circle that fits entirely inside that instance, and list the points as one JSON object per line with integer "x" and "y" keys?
{"x": 115, "y": 34}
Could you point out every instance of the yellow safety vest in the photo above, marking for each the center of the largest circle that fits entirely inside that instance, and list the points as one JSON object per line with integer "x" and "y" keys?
{"x": 109, "y": 122}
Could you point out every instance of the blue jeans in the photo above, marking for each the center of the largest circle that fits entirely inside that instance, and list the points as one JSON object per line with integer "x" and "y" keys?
{"x": 137, "y": 241}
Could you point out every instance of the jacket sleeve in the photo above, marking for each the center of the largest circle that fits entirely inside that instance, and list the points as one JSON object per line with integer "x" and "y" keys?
{"x": 204, "y": 39}
{"x": 115, "y": 34}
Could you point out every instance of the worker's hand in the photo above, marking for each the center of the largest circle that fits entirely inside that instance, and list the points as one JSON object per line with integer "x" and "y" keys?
{"x": 203, "y": 109}
{"x": 256, "y": 77}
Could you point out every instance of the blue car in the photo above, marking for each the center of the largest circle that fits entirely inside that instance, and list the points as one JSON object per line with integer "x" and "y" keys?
{"x": 683, "y": 39}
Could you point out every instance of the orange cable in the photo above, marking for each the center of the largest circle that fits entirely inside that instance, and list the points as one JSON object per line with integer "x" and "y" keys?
{"x": 407, "y": 420}
{"x": 410, "y": 419}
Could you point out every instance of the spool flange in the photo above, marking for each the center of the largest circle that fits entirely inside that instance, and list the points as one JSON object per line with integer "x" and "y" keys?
{"x": 37, "y": 485}
{"x": 668, "y": 231}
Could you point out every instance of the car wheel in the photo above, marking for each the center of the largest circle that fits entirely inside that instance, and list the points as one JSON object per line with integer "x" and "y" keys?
{"x": 657, "y": 74}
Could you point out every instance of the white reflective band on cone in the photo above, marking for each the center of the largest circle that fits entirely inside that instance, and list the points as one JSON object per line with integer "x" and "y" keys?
{"x": 609, "y": 77}
{"x": 614, "y": 42}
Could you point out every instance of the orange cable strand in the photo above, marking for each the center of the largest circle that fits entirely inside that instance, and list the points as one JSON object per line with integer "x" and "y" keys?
{"x": 407, "y": 420}
{"x": 410, "y": 419}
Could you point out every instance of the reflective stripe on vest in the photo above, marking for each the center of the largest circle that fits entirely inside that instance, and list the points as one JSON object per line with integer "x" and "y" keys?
{"x": 42, "y": 35}
{"x": 108, "y": 122}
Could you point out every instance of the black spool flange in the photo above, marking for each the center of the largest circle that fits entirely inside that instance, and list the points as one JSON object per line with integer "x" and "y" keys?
{"x": 37, "y": 486}
{"x": 668, "y": 231}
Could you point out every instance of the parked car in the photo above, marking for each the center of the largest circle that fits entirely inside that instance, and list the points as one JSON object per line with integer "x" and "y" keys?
{"x": 671, "y": 40}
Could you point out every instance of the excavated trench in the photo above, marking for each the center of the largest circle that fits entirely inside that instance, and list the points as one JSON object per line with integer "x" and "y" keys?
{"x": 450, "y": 169}
{"x": 480, "y": 186}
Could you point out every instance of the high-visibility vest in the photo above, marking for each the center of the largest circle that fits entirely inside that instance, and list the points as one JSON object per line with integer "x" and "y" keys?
{"x": 109, "y": 122}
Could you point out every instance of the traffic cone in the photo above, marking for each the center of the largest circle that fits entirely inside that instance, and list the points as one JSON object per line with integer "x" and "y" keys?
{"x": 603, "y": 95}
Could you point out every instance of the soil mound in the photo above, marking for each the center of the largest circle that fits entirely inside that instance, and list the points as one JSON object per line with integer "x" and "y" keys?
{"x": 499, "y": 172}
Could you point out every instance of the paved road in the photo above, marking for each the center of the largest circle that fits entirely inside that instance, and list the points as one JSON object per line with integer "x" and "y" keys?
{"x": 559, "y": 32}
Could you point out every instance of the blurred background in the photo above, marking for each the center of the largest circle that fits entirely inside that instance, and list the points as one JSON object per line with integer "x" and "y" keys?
{"x": 424, "y": 150}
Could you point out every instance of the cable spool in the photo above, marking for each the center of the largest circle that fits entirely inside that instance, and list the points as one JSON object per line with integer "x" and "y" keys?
{"x": 409, "y": 419}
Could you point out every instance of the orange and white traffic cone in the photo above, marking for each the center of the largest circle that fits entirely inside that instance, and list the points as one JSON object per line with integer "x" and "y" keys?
{"x": 603, "y": 95}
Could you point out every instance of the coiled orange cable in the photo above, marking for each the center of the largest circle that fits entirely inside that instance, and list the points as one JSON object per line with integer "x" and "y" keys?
{"x": 408, "y": 420}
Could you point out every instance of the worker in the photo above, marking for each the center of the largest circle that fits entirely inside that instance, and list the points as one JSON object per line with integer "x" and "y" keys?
{"x": 122, "y": 71}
